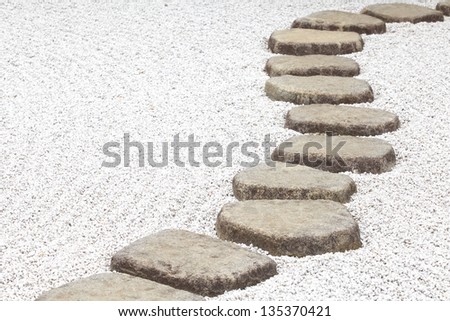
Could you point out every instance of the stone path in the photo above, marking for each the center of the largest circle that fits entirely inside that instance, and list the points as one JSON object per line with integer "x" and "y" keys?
{"x": 341, "y": 120}
{"x": 444, "y": 6}
{"x": 402, "y": 12}
{"x": 341, "y": 21}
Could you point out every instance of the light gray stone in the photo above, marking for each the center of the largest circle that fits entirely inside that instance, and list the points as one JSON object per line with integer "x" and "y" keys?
{"x": 116, "y": 287}
{"x": 341, "y": 21}
{"x": 312, "y": 65}
{"x": 318, "y": 90}
{"x": 444, "y": 7}
{"x": 301, "y": 42}
{"x": 286, "y": 181}
{"x": 337, "y": 153}
{"x": 193, "y": 262}
{"x": 290, "y": 227}
{"x": 341, "y": 120}
{"x": 403, "y": 12}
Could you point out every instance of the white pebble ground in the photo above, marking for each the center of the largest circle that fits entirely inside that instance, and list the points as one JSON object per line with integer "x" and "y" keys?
{"x": 75, "y": 76}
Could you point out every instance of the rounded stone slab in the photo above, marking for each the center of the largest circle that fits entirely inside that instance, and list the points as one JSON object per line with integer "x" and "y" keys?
{"x": 116, "y": 287}
{"x": 337, "y": 153}
{"x": 287, "y": 181}
{"x": 341, "y": 21}
{"x": 301, "y": 42}
{"x": 289, "y": 227}
{"x": 318, "y": 90}
{"x": 341, "y": 120}
{"x": 444, "y": 7}
{"x": 402, "y": 12}
{"x": 193, "y": 262}
{"x": 312, "y": 65}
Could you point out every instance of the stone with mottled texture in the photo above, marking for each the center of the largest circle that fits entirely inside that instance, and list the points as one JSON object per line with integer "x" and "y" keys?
{"x": 318, "y": 90}
{"x": 290, "y": 227}
{"x": 287, "y": 181}
{"x": 312, "y": 65}
{"x": 116, "y": 287}
{"x": 341, "y": 21}
{"x": 341, "y": 120}
{"x": 444, "y": 7}
{"x": 337, "y": 153}
{"x": 403, "y": 12}
{"x": 301, "y": 42}
{"x": 193, "y": 262}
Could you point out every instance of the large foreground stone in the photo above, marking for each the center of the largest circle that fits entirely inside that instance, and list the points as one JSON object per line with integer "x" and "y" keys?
{"x": 444, "y": 7}
{"x": 289, "y": 227}
{"x": 341, "y": 120}
{"x": 402, "y": 12}
{"x": 337, "y": 153}
{"x": 301, "y": 42}
{"x": 318, "y": 90}
{"x": 285, "y": 181}
{"x": 193, "y": 262}
{"x": 116, "y": 287}
{"x": 312, "y": 65}
{"x": 341, "y": 21}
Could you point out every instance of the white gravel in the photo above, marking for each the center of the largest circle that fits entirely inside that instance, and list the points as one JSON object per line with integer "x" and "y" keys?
{"x": 75, "y": 76}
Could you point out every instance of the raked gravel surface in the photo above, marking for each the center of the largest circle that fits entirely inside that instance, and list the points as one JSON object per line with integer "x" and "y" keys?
{"x": 75, "y": 76}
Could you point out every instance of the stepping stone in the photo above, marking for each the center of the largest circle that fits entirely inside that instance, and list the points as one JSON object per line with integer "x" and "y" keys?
{"x": 287, "y": 181}
{"x": 116, "y": 287}
{"x": 318, "y": 90}
{"x": 193, "y": 262}
{"x": 341, "y": 120}
{"x": 402, "y": 12}
{"x": 341, "y": 21}
{"x": 300, "y": 42}
{"x": 444, "y": 6}
{"x": 289, "y": 227}
{"x": 312, "y": 65}
{"x": 337, "y": 153}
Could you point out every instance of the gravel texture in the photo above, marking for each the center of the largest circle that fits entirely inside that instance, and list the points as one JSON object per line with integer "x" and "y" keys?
{"x": 75, "y": 76}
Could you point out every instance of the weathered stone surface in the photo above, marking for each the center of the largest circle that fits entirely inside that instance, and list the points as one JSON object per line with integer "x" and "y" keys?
{"x": 345, "y": 153}
{"x": 290, "y": 227}
{"x": 301, "y": 42}
{"x": 402, "y": 12}
{"x": 444, "y": 7}
{"x": 312, "y": 65}
{"x": 116, "y": 287}
{"x": 318, "y": 90}
{"x": 341, "y": 120}
{"x": 285, "y": 181}
{"x": 341, "y": 21}
{"x": 193, "y": 262}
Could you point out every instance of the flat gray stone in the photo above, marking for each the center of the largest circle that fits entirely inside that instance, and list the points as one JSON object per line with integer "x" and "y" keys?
{"x": 341, "y": 21}
{"x": 116, "y": 287}
{"x": 193, "y": 262}
{"x": 290, "y": 227}
{"x": 285, "y": 181}
{"x": 345, "y": 153}
{"x": 318, "y": 90}
{"x": 403, "y": 12}
{"x": 444, "y": 7}
{"x": 312, "y": 65}
{"x": 341, "y": 120}
{"x": 300, "y": 42}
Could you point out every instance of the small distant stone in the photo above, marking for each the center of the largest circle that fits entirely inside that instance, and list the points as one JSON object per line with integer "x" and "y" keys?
{"x": 341, "y": 120}
{"x": 116, "y": 287}
{"x": 341, "y": 21}
{"x": 287, "y": 181}
{"x": 337, "y": 153}
{"x": 318, "y": 90}
{"x": 300, "y": 42}
{"x": 193, "y": 262}
{"x": 312, "y": 65}
{"x": 402, "y": 12}
{"x": 444, "y": 6}
{"x": 290, "y": 227}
